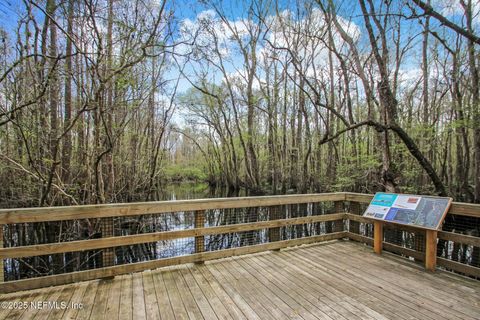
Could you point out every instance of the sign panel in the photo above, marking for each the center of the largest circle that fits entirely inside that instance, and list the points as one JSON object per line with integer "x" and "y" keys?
{"x": 420, "y": 211}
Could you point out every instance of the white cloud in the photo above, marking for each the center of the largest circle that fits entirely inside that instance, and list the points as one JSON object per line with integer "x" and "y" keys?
{"x": 308, "y": 39}
{"x": 409, "y": 76}
{"x": 308, "y": 33}
{"x": 239, "y": 78}
{"x": 209, "y": 31}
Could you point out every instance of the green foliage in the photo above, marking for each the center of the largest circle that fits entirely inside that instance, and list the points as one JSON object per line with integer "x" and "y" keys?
{"x": 350, "y": 175}
{"x": 184, "y": 173}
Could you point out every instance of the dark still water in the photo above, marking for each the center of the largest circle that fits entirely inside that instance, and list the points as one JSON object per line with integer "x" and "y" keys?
{"x": 189, "y": 190}
{"x": 39, "y": 233}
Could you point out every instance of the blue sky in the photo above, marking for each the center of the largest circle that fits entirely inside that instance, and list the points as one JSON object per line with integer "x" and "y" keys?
{"x": 10, "y": 12}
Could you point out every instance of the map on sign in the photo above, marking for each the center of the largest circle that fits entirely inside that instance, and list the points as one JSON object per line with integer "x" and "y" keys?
{"x": 421, "y": 211}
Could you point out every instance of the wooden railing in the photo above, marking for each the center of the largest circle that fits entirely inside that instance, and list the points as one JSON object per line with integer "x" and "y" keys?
{"x": 107, "y": 212}
{"x": 343, "y": 220}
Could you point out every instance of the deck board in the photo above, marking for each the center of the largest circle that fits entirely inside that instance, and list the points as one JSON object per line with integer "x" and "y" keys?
{"x": 126, "y": 299}
{"x": 336, "y": 280}
{"x": 413, "y": 289}
{"x": 151, "y": 306}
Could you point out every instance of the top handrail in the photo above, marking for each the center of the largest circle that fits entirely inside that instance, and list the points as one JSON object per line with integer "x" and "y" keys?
{"x": 47, "y": 214}
{"x": 44, "y": 214}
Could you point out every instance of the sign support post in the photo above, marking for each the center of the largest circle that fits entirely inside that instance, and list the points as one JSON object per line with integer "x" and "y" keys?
{"x": 431, "y": 250}
{"x": 377, "y": 237}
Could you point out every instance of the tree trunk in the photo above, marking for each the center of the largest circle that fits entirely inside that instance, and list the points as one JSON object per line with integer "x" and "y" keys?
{"x": 67, "y": 144}
{"x": 475, "y": 88}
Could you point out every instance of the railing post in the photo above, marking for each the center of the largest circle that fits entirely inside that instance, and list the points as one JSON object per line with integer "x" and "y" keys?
{"x": 108, "y": 254}
{"x": 200, "y": 240}
{"x": 339, "y": 208}
{"x": 354, "y": 225}
{"x": 431, "y": 250}
{"x": 377, "y": 237}
{"x": 274, "y": 214}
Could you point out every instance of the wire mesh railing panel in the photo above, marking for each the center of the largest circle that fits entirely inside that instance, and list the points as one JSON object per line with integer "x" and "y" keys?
{"x": 460, "y": 240}
{"x": 165, "y": 242}
{"x": 235, "y": 240}
{"x": 405, "y": 239}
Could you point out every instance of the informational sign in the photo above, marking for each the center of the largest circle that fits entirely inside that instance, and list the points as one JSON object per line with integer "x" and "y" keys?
{"x": 420, "y": 211}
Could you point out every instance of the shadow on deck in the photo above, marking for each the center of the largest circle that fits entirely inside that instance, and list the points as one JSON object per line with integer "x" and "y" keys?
{"x": 334, "y": 280}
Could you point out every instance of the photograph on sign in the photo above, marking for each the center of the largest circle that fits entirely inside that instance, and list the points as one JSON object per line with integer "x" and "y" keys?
{"x": 406, "y": 202}
{"x": 422, "y": 211}
{"x": 384, "y": 199}
{"x": 373, "y": 210}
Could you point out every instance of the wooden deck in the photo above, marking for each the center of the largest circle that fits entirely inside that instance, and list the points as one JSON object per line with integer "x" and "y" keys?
{"x": 335, "y": 280}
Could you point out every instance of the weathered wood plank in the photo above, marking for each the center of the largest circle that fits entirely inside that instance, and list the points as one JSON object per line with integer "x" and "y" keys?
{"x": 198, "y": 295}
{"x": 82, "y": 245}
{"x": 77, "y": 298}
{"x": 65, "y": 297}
{"x": 465, "y": 209}
{"x": 88, "y": 300}
{"x": 267, "y": 296}
{"x": 27, "y": 313}
{"x": 459, "y": 267}
{"x": 241, "y": 287}
{"x": 389, "y": 246}
{"x": 163, "y": 300}
{"x": 199, "y": 224}
{"x": 313, "y": 300}
{"x": 178, "y": 306}
{"x": 138, "y": 305}
{"x": 460, "y": 238}
{"x": 220, "y": 301}
{"x": 337, "y": 280}
{"x": 404, "y": 251}
{"x": 189, "y": 302}
{"x": 5, "y": 310}
{"x": 267, "y": 281}
{"x": 355, "y": 217}
{"x": 26, "y": 284}
{"x": 151, "y": 306}
{"x": 32, "y": 312}
{"x": 445, "y": 281}
{"x": 323, "y": 292}
{"x": 331, "y": 275}
{"x": 338, "y": 276}
{"x": 358, "y": 197}
{"x": 126, "y": 299}
{"x": 8, "y": 216}
{"x": 113, "y": 302}
{"x": 45, "y": 311}
{"x": 413, "y": 278}
{"x": 411, "y": 286}
{"x": 101, "y": 298}
{"x": 220, "y": 285}
{"x": 392, "y": 292}
{"x": 360, "y": 238}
